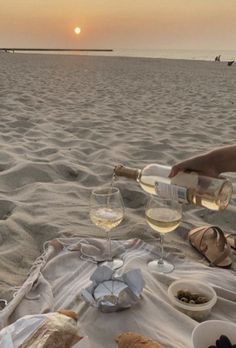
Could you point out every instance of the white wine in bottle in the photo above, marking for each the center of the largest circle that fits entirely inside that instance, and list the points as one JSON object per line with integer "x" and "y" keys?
{"x": 185, "y": 187}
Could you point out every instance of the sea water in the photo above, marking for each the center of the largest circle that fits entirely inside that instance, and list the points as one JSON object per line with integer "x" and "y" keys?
{"x": 206, "y": 55}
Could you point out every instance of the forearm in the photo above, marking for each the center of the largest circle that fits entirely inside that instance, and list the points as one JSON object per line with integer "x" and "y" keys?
{"x": 212, "y": 163}
{"x": 223, "y": 159}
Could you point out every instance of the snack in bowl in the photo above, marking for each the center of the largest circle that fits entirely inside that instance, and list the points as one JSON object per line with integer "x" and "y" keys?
{"x": 134, "y": 340}
{"x": 214, "y": 334}
{"x": 192, "y": 297}
{"x": 223, "y": 342}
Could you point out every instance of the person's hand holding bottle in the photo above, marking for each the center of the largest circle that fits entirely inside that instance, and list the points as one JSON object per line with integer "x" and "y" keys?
{"x": 211, "y": 164}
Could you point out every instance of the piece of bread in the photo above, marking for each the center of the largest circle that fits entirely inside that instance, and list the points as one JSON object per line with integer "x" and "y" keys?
{"x": 134, "y": 340}
{"x": 68, "y": 313}
{"x": 59, "y": 330}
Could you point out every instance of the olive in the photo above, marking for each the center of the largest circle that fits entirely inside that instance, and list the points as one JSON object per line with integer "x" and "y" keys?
{"x": 192, "y": 302}
{"x": 184, "y": 299}
{"x": 188, "y": 294}
{"x": 201, "y": 299}
{"x": 195, "y": 296}
{"x": 180, "y": 293}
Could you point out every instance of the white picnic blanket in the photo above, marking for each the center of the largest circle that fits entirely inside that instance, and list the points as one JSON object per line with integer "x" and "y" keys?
{"x": 64, "y": 269}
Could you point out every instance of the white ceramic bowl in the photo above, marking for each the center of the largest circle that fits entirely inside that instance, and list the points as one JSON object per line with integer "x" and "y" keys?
{"x": 198, "y": 312}
{"x": 205, "y": 334}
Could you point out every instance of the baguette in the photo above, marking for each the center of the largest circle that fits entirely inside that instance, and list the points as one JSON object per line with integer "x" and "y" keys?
{"x": 134, "y": 340}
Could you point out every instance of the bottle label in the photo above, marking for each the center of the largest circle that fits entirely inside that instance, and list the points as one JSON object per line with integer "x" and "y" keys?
{"x": 174, "y": 192}
{"x": 186, "y": 179}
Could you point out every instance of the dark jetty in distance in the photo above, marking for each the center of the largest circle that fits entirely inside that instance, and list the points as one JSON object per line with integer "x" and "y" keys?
{"x": 13, "y": 49}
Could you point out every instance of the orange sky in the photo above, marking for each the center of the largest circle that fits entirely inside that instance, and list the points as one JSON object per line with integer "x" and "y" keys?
{"x": 152, "y": 24}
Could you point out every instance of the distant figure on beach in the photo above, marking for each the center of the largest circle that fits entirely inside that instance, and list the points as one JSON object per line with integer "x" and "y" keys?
{"x": 230, "y": 62}
{"x": 217, "y": 58}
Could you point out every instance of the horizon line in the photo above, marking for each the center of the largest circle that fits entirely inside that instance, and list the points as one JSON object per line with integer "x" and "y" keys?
{"x": 56, "y": 49}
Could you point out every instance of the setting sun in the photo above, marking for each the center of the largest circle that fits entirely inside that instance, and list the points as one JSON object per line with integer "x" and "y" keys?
{"x": 77, "y": 30}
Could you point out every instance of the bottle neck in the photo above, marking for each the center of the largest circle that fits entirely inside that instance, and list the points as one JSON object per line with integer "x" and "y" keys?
{"x": 130, "y": 173}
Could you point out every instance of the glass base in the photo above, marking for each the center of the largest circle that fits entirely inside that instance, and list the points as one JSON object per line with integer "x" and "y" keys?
{"x": 163, "y": 267}
{"x": 114, "y": 264}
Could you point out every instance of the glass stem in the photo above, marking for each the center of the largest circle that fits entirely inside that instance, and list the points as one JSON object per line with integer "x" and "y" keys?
{"x": 109, "y": 257}
{"x": 161, "y": 261}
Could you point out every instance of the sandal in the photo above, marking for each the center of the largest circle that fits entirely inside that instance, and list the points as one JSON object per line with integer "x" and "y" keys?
{"x": 211, "y": 242}
{"x": 231, "y": 239}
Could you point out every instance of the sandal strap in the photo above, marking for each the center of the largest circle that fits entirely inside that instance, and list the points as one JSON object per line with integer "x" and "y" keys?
{"x": 222, "y": 243}
{"x": 220, "y": 258}
{"x": 201, "y": 231}
{"x": 231, "y": 238}
{"x": 196, "y": 237}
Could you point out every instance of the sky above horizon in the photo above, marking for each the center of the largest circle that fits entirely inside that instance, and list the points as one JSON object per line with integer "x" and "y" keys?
{"x": 134, "y": 24}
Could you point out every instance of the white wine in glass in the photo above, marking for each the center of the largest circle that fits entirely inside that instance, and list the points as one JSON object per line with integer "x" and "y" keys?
{"x": 163, "y": 216}
{"x": 107, "y": 212}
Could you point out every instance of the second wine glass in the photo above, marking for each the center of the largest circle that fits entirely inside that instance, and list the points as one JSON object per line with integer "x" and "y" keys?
{"x": 163, "y": 216}
{"x": 107, "y": 212}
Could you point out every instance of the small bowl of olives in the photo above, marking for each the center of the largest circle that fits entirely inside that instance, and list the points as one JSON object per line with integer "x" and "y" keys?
{"x": 192, "y": 297}
{"x": 214, "y": 334}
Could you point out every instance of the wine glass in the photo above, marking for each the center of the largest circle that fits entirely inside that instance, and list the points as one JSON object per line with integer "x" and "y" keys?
{"x": 163, "y": 216}
{"x": 107, "y": 212}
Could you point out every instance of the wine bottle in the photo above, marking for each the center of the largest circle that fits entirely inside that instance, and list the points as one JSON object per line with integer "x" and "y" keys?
{"x": 185, "y": 187}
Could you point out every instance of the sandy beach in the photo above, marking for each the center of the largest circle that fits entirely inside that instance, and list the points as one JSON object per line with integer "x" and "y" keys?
{"x": 67, "y": 120}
